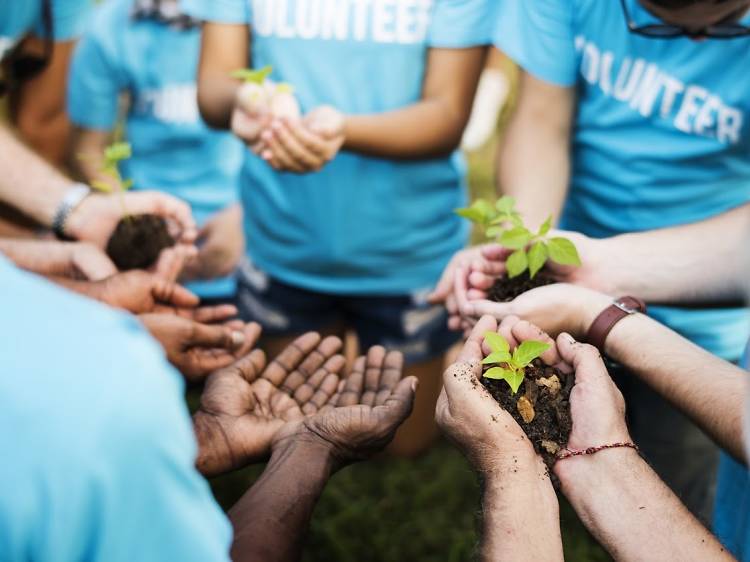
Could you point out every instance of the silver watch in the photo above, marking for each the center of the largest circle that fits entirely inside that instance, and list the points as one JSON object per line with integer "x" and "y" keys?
{"x": 77, "y": 193}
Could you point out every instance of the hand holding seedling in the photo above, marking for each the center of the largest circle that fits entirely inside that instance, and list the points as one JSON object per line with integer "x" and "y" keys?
{"x": 362, "y": 417}
{"x": 245, "y": 405}
{"x": 140, "y": 292}
{"x": 197, "y": 349}
{"x": 488, "y": 436}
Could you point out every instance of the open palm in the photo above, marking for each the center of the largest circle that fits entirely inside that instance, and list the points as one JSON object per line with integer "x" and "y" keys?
{"x": 244, "y": 405}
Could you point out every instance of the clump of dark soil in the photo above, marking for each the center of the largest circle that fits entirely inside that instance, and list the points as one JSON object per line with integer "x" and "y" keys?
{"x": 138, "y": 240}
{"x": 541, "y": 407}
{"x": 506, "y": 289}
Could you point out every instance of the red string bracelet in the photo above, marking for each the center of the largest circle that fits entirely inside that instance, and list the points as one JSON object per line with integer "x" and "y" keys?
{"x": 567, "y": 453}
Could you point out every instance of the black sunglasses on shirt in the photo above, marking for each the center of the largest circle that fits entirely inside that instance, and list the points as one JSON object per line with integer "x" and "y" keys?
{"x": 728, "y": 30}
{"x": 18, "y": 66}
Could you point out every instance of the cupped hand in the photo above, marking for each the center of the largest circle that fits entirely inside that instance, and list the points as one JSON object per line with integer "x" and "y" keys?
{"x": 221, "y": 244}
{"x": 96, "y": 218}
{"x": 87, "y": 261}
{"x": 245, "y": 405}
{"x": 487, "y": 435}
{"x": 140, "y": 292}
{"x": 197, "y": 349}
{"x": 363, "y": 416}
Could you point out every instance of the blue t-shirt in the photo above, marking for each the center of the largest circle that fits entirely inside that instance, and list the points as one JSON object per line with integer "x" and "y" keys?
{"x": 362, "y": 225}
{"x": 732, "y": 504}
{"x": 98, "y": 448}
{"x": 173, "y": 150}
{"x": 21, "y": 18}
{"x": 660, "y": 135}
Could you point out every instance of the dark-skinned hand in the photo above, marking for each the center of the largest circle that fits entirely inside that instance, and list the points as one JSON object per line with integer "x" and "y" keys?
{"x": 140, "y": 292}
{"x": 197, "y": 349}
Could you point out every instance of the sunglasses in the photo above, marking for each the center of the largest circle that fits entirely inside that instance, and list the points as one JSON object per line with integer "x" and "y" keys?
{"x": 728, "y": 30}
{"x": 19, "y": 67}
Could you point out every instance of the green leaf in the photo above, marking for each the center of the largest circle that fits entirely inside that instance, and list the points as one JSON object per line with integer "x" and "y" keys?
{"x": 127, "y": 184}
{"x": 537, "y": 258}
{"x": 116, "y": 152}
{"x": 562, "y": 251}
{"x": 505, "y": 205}
{"x": 253, "y": 76}
{"x": 516, "y": 238}
{"x": 101, "y": 186}
{"x": 514, "y": 379}
{"x": 494, "y": 231}
{"x": 481, "y": 212}
{"x": 496, "y": 342}
{"x": 474, "y": 215}
{"x": 517, "y": 263}
{"x": 527, "y": 352}
{"x": 544, "y": 229}
{"x": 497, "y": 357}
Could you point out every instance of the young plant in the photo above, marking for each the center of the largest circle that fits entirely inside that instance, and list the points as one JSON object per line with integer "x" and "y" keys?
{"x": 259, "y": 94}
{"x": 531, "y": 250}
{"x": 113, "y": 155}
{"x": 510, "y": 367}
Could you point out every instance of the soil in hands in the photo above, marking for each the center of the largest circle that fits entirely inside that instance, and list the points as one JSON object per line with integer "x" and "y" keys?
{"x": 138, "y": 240}
{"x": 541, "y": 407}
{"x": 506, "y": 289}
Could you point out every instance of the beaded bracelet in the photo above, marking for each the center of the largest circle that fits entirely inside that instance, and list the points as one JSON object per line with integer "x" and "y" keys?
{"x": 567, "y": 453}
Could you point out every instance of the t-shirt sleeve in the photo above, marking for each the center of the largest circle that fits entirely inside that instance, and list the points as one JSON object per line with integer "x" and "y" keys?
{"x": 95, "y": 80}
{"x": 538, "y": 36}
{"x": 69, "y": 19}
{"x": 218, "y": 11}
{"x": 462, "y": 23}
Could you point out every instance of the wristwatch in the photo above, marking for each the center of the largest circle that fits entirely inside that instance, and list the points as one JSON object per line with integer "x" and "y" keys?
{"x": 603, "y": 324}
{"x": 72, "y": 199}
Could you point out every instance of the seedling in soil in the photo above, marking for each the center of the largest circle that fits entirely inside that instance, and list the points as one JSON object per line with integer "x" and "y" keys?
{"x": 539, "y": 395}
{"x": 501, "y": 223}
{"x": 258, "y": 94}
{"x": 138, "y": 239}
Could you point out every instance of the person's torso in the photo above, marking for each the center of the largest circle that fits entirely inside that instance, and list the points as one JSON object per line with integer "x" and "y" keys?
{"x": 361, "y": 225}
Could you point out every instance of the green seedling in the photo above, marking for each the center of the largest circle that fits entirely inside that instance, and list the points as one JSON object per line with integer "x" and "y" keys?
{"x": 251, "y": 76}
{"x": 113, "y": 155}
{"x": 510, "y": 367}
{"x": 531, "y": 250}
{"x": 259, "y": 94}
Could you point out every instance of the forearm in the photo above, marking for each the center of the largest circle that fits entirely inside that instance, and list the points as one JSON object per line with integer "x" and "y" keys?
{"x": 40, "y": 256}
{"x": 521, "y": 518}
{"x": 43, "y": 186}
{"x": 271, "y": 519}
{"x": 704, "y": 261}
{"x": 631, "y": 512}
{"x": 709, "y": 390}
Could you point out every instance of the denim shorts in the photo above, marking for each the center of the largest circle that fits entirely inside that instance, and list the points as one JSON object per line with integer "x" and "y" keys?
{"x": 406, "y": 323}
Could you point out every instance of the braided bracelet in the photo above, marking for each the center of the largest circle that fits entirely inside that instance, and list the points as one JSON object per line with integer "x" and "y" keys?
{"x": 567, "y": 453}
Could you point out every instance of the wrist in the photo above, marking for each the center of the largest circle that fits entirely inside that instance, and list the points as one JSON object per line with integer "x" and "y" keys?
{"x": 589, "y": 310}
{"x": 75, "y": 196}
{"x": 581, "y": 474}
{"x": 306, "y": 450}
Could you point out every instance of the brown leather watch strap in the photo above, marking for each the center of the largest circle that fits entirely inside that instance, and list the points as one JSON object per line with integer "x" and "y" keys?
{"x": 603, "y": 324}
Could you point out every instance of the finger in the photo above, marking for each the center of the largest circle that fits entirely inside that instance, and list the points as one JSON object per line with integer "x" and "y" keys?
{"x": 313, "y": 142}
{"x": 250, "y": 366}
{"x": 312, "y": 362}
{"x": 481, "y": 281}
{"x": 279, "y": 153}
{"x": 399, "y": 404}
{"x": 393, "y": 370}
{"x": 302, "y": 392}
{"x": 213, "y": 314}
{"x": 165, "y": 206}
{"x": 251, "y": 333}
{"x": 325, "y": 387}
{"x": 296, "y": 149}
{"x": 585, "y": 359}
{"x": 354, "y": 385}
{"x": 477, "y": 309}
{"x": 495, "y": 252}
{"x": 454, "y": 323}
{"x": 460, "y": 289}
{"x": 451, "y": 305}
{"x": 373, "y": 374}
{"x": 525, "y": 330}
{"x": 445, "y": 284}
{"x": 220, "y": 337}
{"x": 472, "y": 349}
{"x": 290, "y": 358}
{"x": 166, "y": 292}
{"x": 96, "y": 265}
{"x": 204, "y": 361}
{"x": 172, "y": 261}
{"x": 506, "y": 330}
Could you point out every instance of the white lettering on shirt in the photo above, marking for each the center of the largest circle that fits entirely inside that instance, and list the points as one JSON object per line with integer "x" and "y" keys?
{"x": 646, "y": 88}
{"x": 177, "y": 104}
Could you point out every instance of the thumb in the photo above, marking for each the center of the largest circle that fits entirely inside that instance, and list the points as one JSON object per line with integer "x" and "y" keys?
{"x": 166, "y": 292}
{"x": 585, "y": 359}
{"x": 401, "y": 401}
{"x": 97, "y": 266}
{"x": 477, "y": 309}
{"x": 222, "y": 337}
{"x": 444, "y": 286}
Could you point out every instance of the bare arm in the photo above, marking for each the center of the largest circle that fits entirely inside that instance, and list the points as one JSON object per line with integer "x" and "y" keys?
{"x": 224, "y": 48}
{"x": 534, "y": 157}
{"x": 39, "y": 104}
{"x": 433, "y": 126}
{"x": 632, "y": 512}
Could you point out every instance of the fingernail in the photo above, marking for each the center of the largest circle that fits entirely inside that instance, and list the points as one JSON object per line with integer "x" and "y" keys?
{"x": 414, "y": 385}
{"x": 266, "y": 155}
{"x": 238, "y": 339}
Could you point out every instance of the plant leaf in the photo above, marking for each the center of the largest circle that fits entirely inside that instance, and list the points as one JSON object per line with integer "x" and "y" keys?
{"x": 497, "y": 357}
{"x": 101, "y": 186}
{"x": 497, "y": 373}
{"x": 527, "y": 352}
{"x": 496, "y": 342}
{"x": 474, "y": 215}
{"x": 480, "y": 212}
{"x": 537, "y": 257}
{"x": 563, "y": 251}
{"x": 514, "y": 379}
{"x": 127, "y": 184}
{"x": 505, "y": 205}
{"x": 253, "y": 76}
{"x": 516, "y": 238}
{"x": 517, "y": 263}
{"x": 544, "y": 229}
{"x": 494, "y": 231}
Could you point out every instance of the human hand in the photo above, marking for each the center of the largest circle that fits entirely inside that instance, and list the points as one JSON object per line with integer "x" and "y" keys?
{"x": 244, "y": 406}
{"x": 248, "y": 122}
{"x": 487, "y": 435}
{"x": 304, "y": 146}
{"x": 140, "y": 292}
{"x": 97, "y": 216}
{"x": 363, "y": 417}
{"x": 197, "y": 349}
{"x": 221, "y": 244}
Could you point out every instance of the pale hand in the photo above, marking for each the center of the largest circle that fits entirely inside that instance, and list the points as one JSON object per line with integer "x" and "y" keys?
{"x": 221, "y": 244}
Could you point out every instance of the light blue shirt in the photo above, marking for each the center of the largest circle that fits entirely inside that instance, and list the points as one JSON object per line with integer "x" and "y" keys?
{"x": 363, "y": 225}
{"x": 98, "y": 450}
{"x": 173, "y": 150}
{"x": 18, "y": 18}
{"x": 660, "y": 136}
